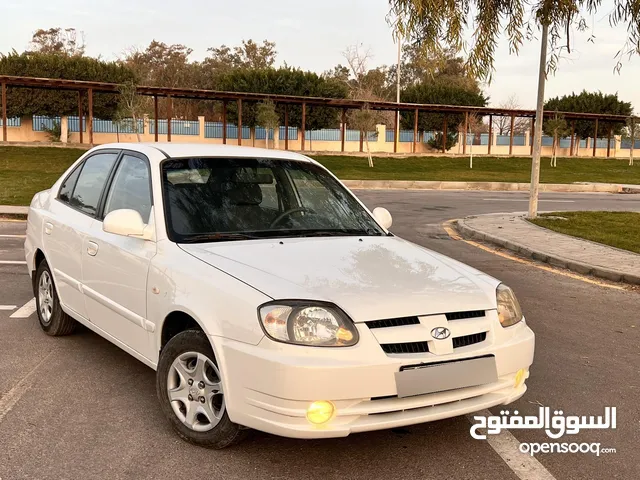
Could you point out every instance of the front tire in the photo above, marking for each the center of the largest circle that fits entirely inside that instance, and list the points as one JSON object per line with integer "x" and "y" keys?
{"x": 52, "y": 318}
{"x": 189, "y": 388}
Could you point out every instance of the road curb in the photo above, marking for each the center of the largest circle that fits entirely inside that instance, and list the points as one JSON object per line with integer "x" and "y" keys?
{"x": 489, "y": 186}
{"x": 554, "y": 260}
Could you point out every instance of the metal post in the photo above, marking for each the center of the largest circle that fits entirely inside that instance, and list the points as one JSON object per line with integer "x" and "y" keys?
{"x": 155, "y": 119}
{"x": 89, "y": 116}
{"x": 80, "y": 115}
{"x": 342, "y": 128}
{"x": 444, "y": 135}
{"x": 239, "y": 121}
{"x": 396, "y": 133}
{"x": 224, "y": 123}
{"x": 286, "y": 126}
{"x": 362, "y": 134}
{"x": 304, "y": 121}
{"x": 595, "y": 138}
{"x": 490, "y": 134}
{"x": 415, "y": 130}
{"x": 4, "y": 111}
{"x": 573, "y": 132}
{"x": 533, "y": 126}
{"x": 169, "y": 115}
{"x": 464, "y": 135}
{"x": 513, "y": 121}
{"x": 609, "y": 141}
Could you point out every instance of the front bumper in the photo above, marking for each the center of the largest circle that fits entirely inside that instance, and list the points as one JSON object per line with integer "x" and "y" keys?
{"x": 269, "y": 386}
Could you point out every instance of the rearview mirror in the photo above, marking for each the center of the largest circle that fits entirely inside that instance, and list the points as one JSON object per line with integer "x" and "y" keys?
{"x": 383, "y": 217}
{"x": 128, "y": 223}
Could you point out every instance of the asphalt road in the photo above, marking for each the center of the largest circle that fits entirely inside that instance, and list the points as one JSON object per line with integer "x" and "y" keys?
{"x": 80, "y": 408}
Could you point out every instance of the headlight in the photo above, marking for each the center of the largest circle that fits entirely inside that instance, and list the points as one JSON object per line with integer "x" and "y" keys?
{"x": 509, "y": 312}
{"x": 308, "y": 323}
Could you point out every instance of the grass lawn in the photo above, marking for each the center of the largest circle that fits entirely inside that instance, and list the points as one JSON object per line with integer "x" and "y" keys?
{"x": 27, "y": 170}
{"x": 618, "y": 229}
{"x": 485, "y": 169}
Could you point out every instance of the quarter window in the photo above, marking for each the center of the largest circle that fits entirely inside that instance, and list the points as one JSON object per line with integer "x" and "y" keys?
{"x": 131, "y": 187}
{"x": 90, "y": 184}
{"x": 67, "y": 186}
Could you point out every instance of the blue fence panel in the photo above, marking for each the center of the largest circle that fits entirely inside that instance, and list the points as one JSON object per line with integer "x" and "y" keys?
{"x": 73, "y": 124}
{"x": 602, "y": 143}
{"x": 484, "y": 139}
{"x": 389, "y": 136}
{"x": 12, "y": 122}
{"x": 325, "y": 134}
{"x": 41, "y": 123}
{"x": 352, "y": 135}
{"x": 626, "y": 144}
{"x": 214, "y": 130}
{"x": 125, "y": 125}
{"x": 178, "y": 127}
{"x": 428, "y": 136}
{"x": 518, "y": 140}
{"x": 406, "y": 135}
{"x": 293, "y": 133}
{"x": 261, "y": 133}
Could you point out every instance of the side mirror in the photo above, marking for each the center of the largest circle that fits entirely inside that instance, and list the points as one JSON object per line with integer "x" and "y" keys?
{"x": 383, "y": 217}
{"x": 128, "y": 223}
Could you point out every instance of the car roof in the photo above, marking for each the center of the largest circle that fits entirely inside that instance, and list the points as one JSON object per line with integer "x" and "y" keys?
{"x": 179, "y": 150}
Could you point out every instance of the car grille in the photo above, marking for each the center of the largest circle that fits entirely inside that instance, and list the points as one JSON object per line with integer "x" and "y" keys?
{"x": 423, "y": 347}
{"x": 463, "y": 315}
{"x": 393, "y": 322}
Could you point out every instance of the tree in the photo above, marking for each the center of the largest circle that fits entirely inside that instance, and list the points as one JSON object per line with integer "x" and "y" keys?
{"x": 58, "y": 41}
{"x": 131, "y": 107}
{"x": 556, "y": 128}
{"x": 249, "y": 55}
{"x": 475, "y": 126}
{"x": 630, "y": 133}
{"x": 267, "y": 117}
{"x": 30, "y": 101}
{"x": 502, "y": 124}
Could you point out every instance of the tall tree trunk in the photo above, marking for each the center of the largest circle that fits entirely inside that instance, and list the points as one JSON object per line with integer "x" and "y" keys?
{"x": 135, "y": 128}
{"x": 471, "y": 152}
{"x": 366, "y": 139}
{"x": 633, "y": 140}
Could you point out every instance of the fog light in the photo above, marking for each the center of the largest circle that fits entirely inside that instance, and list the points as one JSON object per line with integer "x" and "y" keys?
{"x": 320, "y": 412}
{"x": 521, "y": 376}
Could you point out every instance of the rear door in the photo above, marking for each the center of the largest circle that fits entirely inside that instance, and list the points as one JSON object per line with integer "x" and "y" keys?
{"x": 115, "y": 267}
{"x": 68, "y": 222}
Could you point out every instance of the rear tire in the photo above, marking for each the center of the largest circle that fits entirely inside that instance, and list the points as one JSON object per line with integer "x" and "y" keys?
{"x": 189, "y": 388}
{"x": 52, "y": 318}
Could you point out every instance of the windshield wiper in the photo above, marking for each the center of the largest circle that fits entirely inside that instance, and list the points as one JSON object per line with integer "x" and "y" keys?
{"x": 331, "y": 233}
{"x": 218, "y": 237}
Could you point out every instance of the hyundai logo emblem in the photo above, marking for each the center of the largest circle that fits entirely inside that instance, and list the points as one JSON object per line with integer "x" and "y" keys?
{"x": 440, "y": 333}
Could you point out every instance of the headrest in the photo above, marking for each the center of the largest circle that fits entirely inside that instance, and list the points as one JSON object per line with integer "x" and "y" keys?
{"x": 244, "y": 194}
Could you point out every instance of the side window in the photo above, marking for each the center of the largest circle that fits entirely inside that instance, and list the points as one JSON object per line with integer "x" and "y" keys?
{"x": 131, "y": 187}
{"x": 90, "y": 184}
{"x": 67, "y": 186}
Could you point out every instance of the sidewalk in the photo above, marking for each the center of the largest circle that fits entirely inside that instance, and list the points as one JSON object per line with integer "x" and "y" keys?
{"x": 514, "y": 233}
{"x": 13, "y": 210}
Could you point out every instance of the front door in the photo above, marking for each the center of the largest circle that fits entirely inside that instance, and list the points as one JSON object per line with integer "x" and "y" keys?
{"x": 115, "y": 267}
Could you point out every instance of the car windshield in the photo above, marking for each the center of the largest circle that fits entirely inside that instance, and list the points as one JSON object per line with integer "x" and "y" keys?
{"x": 222, "y": 199}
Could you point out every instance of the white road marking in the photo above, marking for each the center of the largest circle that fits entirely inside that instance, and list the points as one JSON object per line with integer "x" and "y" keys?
{"x": 10, "y": 398}
{"x": 13, "y": 262}
{"x": 7, "y": 307}
{"x": 507, "y": 446}
{"x": 13, "y": 236}
{"x": 26, "y": 310}
{"x": 526, "y": 200}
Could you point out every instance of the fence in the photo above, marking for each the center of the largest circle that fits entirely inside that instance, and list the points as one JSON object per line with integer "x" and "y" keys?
{"x": 178, "y": 127}
{"x": 123, "y": 126}
{"x": 214, "y": 130}
{"x": 12, "y": 122}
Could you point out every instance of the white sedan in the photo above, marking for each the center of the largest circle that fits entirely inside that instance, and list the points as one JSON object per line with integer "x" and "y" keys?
{"x": 266, "y": 295}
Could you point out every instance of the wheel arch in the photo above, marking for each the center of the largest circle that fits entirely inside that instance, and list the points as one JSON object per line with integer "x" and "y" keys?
{"x": 38, "y": 257}
{"x": 175, "y": 322}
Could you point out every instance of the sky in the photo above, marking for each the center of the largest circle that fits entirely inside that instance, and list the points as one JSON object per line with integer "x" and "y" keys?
{"x": 312, "y": 36}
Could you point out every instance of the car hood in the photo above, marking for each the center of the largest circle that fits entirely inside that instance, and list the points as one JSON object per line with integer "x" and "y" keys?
{"x": 370, "y": 278}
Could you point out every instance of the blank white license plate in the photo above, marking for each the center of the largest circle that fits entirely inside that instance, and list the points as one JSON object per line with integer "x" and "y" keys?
{"x": 422, "y": 379}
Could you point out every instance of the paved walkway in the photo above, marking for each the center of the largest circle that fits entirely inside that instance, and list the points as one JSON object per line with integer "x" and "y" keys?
{"x": 13, "y": 210}
{"x": 589, "y": 258}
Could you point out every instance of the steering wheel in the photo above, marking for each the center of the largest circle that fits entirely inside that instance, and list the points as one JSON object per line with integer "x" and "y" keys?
{"x": 288, "y": 213}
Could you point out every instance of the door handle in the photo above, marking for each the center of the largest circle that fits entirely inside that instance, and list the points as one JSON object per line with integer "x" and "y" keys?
{"x": 92, "y": 248}
{"x": 48, "y": 227}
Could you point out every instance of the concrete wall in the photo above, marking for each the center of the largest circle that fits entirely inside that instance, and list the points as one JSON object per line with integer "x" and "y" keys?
{"x": 26, "y": 134}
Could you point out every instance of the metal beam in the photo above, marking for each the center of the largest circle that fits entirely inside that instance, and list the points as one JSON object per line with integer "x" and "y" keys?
{"x": 490, "y": 135}
{"x": 224, "y": 123}
{"x": 79, "y": 115}
{"x": 343, "y": 127}
{"x": 415, "y": 130}
{"x": 595, "y": 138}
{"x": 444, "y": 136}
{"x": 286, "y": 127}
{"x": 155, "y": 119}
{"x": 513, "y": 121}
{"x": 362, "y": 134}
{"x": 304, "y": 121}
{"x": 573, "y": 132}
{"x": 239, "y": 121}
{"x": 396, "y": 132}
{"x": 4, "y": 111}
{"x": 464, "y": 135}
{"x": 89, "y": 116}
{"x": 609, "y": 141}
{"x": 169, "y": 115}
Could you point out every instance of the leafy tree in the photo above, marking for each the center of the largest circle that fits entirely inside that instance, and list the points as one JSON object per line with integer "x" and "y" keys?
{"x": 58, "y": 41}
{"x": 31, "y": 101}
{"x": 502, "y": 124}
{"x": 249, "y": 55}
{"x": 131, "y": 107}
{"x": 593, "y": 102}
{"x": 630, "y": 133}
{"x": 556, "y": 128}
{"x": 267, "y": 116}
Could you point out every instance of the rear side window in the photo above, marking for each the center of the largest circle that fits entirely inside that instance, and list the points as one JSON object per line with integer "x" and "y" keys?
{"x": 68, "y": 184}
{"x": 131, "y": 187}
{"x": 91, "y": 181}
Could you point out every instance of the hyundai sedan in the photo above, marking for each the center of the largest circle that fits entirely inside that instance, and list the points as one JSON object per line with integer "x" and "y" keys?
{"x": 265, "y": 295}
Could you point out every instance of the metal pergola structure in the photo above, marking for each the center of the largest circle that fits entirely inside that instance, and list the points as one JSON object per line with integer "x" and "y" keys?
{"x": 89, "y": 88}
